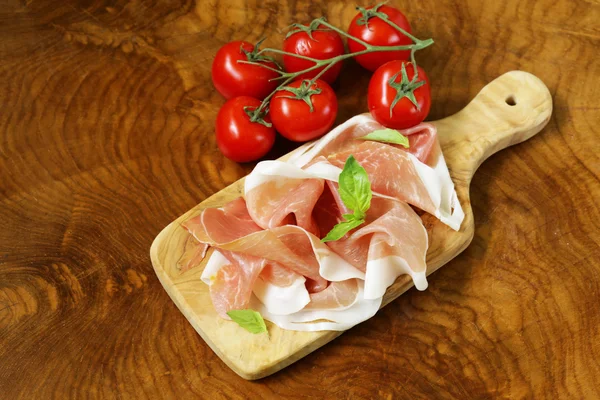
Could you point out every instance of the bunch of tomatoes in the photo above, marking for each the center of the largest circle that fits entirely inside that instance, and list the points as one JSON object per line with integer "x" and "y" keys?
{"x": 301, "y": 108}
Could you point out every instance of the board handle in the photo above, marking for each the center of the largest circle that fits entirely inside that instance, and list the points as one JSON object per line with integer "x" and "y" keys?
{"x": 510, "y": 109}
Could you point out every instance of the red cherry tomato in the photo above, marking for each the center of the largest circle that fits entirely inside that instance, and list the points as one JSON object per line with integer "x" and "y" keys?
{"x": 238, "y": 138}
{"x": 379, "y": 33}
{"x": 293, "y": 118}
{"x": 322, "y": 45}
{"x": 381, "y": 95}
{"x": 232, "y": 78}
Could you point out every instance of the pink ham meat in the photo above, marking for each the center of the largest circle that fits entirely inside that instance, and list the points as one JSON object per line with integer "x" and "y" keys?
{"x": 391, "y": 172}
{"x": 422, "y": 139}
{"x": 268, "y": 254}
{"x": 289, "y": 202}
{"x": 393, "y": 239}
{"x": 231, "y": 287}
{"x": 393, "y": 231}
{"x": 231, "y": 228}
{"x": 338, "y": 295}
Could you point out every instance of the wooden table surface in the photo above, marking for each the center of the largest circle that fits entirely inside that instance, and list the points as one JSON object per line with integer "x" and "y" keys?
{"x": 106, "y": 135}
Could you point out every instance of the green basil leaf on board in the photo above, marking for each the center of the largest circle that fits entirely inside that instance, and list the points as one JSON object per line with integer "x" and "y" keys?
{"x": 250, "y": 320}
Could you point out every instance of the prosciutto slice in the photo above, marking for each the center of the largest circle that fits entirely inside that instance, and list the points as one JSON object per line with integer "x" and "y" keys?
{"x": 267, "y": 254}
{"x": 418, "y": 176}
{"x": 392, "y": 242}
{"x": 233, "y": 278}
{"x": 393, "y": 232}
{"x": 422, "y": 139}
{"x": 290, "y": 201}
{"x": 232, "y": 229}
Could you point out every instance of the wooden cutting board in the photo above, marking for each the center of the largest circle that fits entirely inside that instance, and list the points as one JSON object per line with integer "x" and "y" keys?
{"x": 509, "y": 110}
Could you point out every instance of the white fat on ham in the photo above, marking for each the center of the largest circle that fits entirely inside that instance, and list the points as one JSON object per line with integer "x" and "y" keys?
{"x": 278, "y": 299}
{"x": 333, "y": 319}
{"x": 280, "y": 171}
{"x": 357, "y": 126}
{"x": 435, "y": 180}
{"x": 282, "y": 300}
{"x": 213, "y": 265}
{"x": 441, "y": 191}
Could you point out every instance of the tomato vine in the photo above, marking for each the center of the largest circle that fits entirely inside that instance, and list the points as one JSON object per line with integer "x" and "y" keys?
{"x": 305, "y": 92}
{"x": 326, "y": 64}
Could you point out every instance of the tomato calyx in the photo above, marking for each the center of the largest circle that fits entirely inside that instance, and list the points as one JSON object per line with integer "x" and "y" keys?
{"x": 313, "y": 26}
{"x": 304, "y": 92}
{"x": 367, "y": 14}
{"x": 257, "y": 115}
{"x": 405, "y": 88}
{"x": 255, "y": 56}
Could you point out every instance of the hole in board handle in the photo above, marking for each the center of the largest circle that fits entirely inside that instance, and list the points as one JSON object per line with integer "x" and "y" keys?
{"x": 510, "y": 100}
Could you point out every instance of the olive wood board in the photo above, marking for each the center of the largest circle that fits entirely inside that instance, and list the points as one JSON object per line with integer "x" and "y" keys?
{"x": 509, "y": 110}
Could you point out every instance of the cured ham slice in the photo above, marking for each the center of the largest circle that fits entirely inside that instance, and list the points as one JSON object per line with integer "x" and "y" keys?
{"x": 393, "y": 231}
{"x": 393, "y": 170}
{"x": 338, "y": 295}
{"x": 335, "y": 319}
{"x": 290, "y": 201}
{"x": 267, "y": 250}
{"x": 280, "y": 265}
{"x": 422, "y": 139}
{"x": 392, "y": 242}
{"x": 232, "y": 284}
{"x": 232, "y": 229}
{"x": 399, "y": 174}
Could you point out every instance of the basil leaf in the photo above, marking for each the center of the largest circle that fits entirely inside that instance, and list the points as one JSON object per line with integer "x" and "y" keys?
{"x": 341, "y": 229}
{"x": 387, "y": 136}
{"x": 355, "y": 188}
{"x": 250, "y": 320}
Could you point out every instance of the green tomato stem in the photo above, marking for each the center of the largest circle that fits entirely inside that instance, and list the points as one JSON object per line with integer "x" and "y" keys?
{"x": 313, "y": 80}
{"x": 408, "y": 35}
{"x": 287, "y": 77}
{"x": 265, "y": 101}
{"x": 261, "y": 65}
{"x": 349, "y": 36}
{"x": 286, "y": 53}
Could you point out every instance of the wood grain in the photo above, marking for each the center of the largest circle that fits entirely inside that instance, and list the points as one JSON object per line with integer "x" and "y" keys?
{"x": 106, "y": 135}
{"x": 485, "y": 126}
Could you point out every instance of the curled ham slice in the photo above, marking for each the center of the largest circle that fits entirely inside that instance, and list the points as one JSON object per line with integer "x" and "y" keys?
{"x": 333, "y": 319}
{"x": 418, "y": 176}
{"x": 338, "y": 295}
{"x": 234, "y": 277}
{"x": 392, "y": 242}
{"x": 268, "y": 255}
{"x": 232, "y": 283}
{"x": 393, "y": 232}
{"x": 231, "y": 229}
{"x": 273, "y": 251}
{"x": 290, "y": 201}
{"x": 422, "y": 139}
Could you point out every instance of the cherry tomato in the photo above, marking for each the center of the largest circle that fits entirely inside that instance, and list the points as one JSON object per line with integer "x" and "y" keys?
{"x": 292, "y": 116}
{"x": 379, "y": 33}
{"x": 319, "y": 44}
{"x": 381, "y": 95}
{"x": 238, "y": 138}
{"x": 232, "y": 78}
